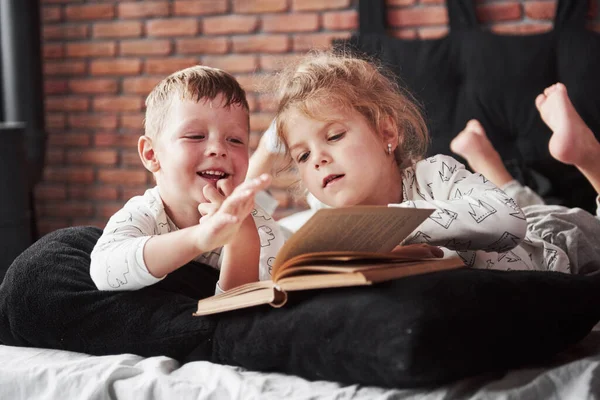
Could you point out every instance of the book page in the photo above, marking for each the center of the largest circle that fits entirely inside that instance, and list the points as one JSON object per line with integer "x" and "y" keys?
{"x": 359, "y": 228}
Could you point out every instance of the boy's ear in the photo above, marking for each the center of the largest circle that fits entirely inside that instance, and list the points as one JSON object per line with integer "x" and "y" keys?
{"x": 147, "y": 154}
{"x": 389, "y": 132}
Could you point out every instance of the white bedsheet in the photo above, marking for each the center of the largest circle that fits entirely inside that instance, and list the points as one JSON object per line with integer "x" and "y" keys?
{"x": 31, "y": 373}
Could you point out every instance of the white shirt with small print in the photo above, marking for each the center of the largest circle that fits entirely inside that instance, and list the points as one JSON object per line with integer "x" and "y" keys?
{"x": 117, "y": 260}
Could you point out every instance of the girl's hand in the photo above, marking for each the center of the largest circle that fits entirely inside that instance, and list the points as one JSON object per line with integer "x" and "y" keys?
{"x": 420, "y": 250}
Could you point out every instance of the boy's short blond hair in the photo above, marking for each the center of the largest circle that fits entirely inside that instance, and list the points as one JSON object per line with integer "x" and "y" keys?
{"x": 193, "y": 83}
{"x": 324, "y": 79}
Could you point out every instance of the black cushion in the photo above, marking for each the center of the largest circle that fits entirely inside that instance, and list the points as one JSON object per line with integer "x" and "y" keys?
{"x": 417, "y": 331}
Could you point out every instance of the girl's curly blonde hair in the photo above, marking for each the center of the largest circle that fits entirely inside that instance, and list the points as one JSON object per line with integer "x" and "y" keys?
{"x": 343, "y": 80}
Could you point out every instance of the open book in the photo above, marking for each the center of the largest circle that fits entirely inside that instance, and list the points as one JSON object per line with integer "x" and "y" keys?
{"x": 336, "y": 247}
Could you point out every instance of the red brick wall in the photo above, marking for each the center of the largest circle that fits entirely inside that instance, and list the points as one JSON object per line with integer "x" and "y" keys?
{"x": 101, "y": 58}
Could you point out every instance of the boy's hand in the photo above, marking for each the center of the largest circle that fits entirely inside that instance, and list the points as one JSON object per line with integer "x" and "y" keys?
{"x": 221, "y": 217}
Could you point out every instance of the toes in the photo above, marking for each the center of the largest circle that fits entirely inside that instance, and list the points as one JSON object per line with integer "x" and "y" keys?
{"x": 539, "y": 100}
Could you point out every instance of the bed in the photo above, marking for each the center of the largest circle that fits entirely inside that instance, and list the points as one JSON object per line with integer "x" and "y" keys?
{"x": 33, "y": 373}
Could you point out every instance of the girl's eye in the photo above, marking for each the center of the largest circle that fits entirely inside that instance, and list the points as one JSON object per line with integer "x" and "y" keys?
{"x": 337, "y": 136}
{"x": 302, "y": 157}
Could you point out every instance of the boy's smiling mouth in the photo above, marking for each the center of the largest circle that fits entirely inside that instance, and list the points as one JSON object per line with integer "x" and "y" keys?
{"x": 331, "y": 178}
{"x": 213, "y": 175}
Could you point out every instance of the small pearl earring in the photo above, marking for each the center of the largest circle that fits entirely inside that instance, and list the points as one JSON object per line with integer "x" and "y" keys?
{"x": 389, "y": 148}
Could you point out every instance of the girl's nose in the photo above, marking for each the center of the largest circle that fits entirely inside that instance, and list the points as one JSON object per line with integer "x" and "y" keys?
{"x": 322, "y": 160}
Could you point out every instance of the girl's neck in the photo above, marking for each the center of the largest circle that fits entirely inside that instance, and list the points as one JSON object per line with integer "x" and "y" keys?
{"x": 390, "y": 187}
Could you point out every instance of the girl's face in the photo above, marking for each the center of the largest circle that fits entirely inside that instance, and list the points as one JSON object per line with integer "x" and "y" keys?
{"x": 342, "y": 161}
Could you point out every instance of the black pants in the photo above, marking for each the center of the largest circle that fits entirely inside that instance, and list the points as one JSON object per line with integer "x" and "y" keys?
{"x": 410, "y": 332}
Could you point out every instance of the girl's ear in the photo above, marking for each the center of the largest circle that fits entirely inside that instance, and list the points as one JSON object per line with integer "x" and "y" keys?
{"x": 147, "y": 154}
{"x": 389, "y": 133}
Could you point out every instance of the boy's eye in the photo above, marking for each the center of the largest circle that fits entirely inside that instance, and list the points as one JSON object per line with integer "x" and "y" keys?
{"x": 236, "y": 140}
{"x": 195, "y": 137}
{"x": 302, "y": 157}
{"x": 337, "y": 136}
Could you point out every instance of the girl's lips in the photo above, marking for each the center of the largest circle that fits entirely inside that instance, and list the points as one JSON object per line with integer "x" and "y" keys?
{"x": 331, "y": 178}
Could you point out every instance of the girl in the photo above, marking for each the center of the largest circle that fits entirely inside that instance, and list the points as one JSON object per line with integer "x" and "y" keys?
{"x": 356, "y": 138}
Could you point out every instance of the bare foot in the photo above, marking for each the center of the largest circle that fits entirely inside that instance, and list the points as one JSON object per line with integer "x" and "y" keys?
{"x": 572, "y": 141}
{"x": 474, "y": 146}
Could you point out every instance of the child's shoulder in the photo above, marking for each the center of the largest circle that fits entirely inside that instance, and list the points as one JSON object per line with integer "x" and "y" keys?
{"x": 436, "y": 162}
{"x": 149, "y": 201}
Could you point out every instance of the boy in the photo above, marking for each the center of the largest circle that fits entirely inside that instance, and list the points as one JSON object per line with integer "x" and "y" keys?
{"x": 196, "y": 146}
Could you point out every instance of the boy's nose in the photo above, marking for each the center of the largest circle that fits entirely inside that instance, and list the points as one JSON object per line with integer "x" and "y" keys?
{"x": 216, "y": 150}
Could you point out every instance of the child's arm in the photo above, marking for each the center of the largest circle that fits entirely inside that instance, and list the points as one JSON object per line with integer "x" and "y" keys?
{"x": 241, "y": 255}
{"x": 471, "y": 212}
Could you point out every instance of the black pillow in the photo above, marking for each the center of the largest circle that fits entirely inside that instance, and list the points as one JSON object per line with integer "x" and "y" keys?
{"x": 417, "y": 331}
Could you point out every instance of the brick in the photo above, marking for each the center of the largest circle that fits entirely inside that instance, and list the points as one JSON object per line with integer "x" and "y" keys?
{"x": 55, "y": 86}
{"x": 91, "y": 49}
{"x": 277, "y": 62}
{"x": 53, "y": 50}
{"x": 432, "y": 1}
{"x": 117, "y": 103}
{"x": 251, "y": 82}
{"x": 46, "y": 225}
{"x": 46, "y": 191}
{"x": 261, "y": 44}
{"x": 342, "y": 20}
{"x": 540, "y": 10}
{"x": 51, "y": 14}
{"x": 305, "y": 42}
{"x": 404, "y": 33}
{"x": 69, "y": 139}
{"x": 107, "y": 209}
{"x": 233, "y": 63}
{"x": 93, "y": 86}
{"x": 259, "y": 6}
{"x": 54, "y": 157}
{"x": 127, "y": 192}
{"x": 60, "y": 1}
{"x": 298, "y": 22}
{"x": 402, "y": 3}
{"x": 118, "y": 29}
{"x": 518, "y": 28}
{"x": 417, "y": 16}
{"x": 131, "y": 159}
{"x": 143, "y": 9}
{"x": 499, "y": 12}
{"x": 433, "y": 32}
{"x": 66, "y": 209}
{"x": 122, "y": 176}
{"x": 202, "y": 45}
{"x": 93, "y": 192}
{"x": 92, "y": 121}
{"x": 65, "y": 32}
{"x": 62, "y": 103}
{"x": 55, "y": 120}
{"x": 165, "y": 66}
{"x": 130, "y": 66}
{"x": 267, "y": 102}
{"x": 115, "y": 140}
{"x": 132, "y": 121}
{"x": 199, "y": 7}
{"x": 140, "y": 85}
{"x": 92, "y": 157}
{"x": 252, "y": 102}
{"x": 172, "y": 27}
{"x": 145, "y": 47}
{"x": 259, "y": 122}
{"x": 64, "y": 67}
{"x": 69, "y": 174}
{"x": 229, "y": 24}
{"x": 89, "y": 12}
{"x": 319, "y": 5}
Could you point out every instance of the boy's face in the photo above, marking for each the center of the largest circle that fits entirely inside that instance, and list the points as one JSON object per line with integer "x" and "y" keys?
{"x": 340, "y": 161}
{"x": 201, "y": 143}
